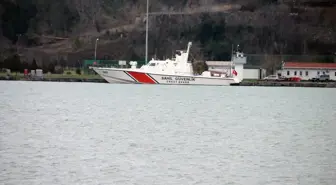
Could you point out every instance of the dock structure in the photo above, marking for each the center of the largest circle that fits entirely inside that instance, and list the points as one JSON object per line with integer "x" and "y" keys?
{"x": 288, "y": 84}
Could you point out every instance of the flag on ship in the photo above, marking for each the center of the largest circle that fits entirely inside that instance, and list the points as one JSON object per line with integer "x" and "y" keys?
{"x": 234, "y": 72}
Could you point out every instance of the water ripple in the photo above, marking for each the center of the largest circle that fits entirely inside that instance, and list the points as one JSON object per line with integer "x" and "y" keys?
{"x": 76, "y": 133}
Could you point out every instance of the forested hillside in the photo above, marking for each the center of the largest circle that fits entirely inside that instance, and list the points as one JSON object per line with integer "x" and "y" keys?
{"x": 66, "y": 30}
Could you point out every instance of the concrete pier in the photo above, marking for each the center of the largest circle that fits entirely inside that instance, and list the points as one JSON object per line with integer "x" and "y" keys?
{"x": 288, "y": 84}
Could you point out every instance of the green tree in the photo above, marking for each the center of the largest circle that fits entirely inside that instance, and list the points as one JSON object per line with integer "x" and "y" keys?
{"x": 25, "y": 65}
{"x": 78, "y": 71}
{"x": 51, "y": 67}
{"x": 13, "y": 63}
{"x": 199, "y": 67}
{"x": 77, "y": 44}
{"x": 34, "y": 65}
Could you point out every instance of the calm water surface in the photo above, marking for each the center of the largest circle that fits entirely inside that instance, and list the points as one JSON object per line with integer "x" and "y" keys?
{"x": 82, "y": 133}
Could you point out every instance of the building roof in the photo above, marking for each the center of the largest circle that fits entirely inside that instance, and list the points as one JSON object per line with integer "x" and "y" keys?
{"x": 308, "y": 65}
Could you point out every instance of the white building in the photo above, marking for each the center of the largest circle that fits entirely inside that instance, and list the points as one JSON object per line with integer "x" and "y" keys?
{"x": 308, "y": 71}
{"x": 220, "y": 66}
{"x": 237, "y": 63}
{"x": 239, "y": 60}
{"x": 254, "y": 72}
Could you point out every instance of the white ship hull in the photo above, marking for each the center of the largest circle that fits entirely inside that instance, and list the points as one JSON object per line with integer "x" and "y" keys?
{"x": 129, "y": 76}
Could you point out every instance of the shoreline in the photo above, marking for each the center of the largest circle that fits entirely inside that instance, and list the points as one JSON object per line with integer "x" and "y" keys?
{"x": 261, "y": 83}
{"x": 57, "y": 79}
{"x": 256, "y": 83}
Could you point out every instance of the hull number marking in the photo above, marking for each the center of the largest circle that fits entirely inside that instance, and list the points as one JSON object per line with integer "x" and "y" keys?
{"x": 178, "y": 79}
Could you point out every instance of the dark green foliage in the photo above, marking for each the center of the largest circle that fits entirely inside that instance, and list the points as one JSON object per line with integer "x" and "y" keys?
{"x": 34, "y": 65}
{"x": 62, "y": 62}
{"x": 77, "y": 44}
{"x": 24, "y": 14}
{"x": 97, "y": 26}
{"x": 267, "y": 2}
{"x": 212, "y": 36}
{"x": 25, "y": 65}
{"x": 213, "y": 33}
{"x": 176, "y": 3}
{"x": 78, "y": 71}
{"x": 218, "y": 50}
{"x": 199, "y": 67}
{"x": 51, "y": 67}
{"x": 15, "y": 19}
{"x": 58, "y": 69}
{"x": 13, "y": 63}
{"x": 58, "y": 16}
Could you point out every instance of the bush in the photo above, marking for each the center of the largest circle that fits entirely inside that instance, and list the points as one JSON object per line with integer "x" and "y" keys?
{"x": 58, "y": 69}
{"x": 78, "y": 71}
{"x": 199, "y": 67}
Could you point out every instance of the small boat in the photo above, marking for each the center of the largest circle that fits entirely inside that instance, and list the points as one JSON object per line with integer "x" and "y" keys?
{"x": 177, "y": 71}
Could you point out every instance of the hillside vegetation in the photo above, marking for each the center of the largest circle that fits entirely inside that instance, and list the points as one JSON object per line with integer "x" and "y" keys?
{"x": 66, "y": 30}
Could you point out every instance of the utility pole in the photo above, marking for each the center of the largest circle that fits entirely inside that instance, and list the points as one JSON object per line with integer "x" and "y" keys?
{"x": 95, "y": 54}
{"x": 18, "y": 43}
{"x": 146, "y": 57}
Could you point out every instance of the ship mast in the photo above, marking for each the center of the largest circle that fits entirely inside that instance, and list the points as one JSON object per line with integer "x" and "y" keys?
{"x": 146, "y": 56}
{"x": 231, "y": 60}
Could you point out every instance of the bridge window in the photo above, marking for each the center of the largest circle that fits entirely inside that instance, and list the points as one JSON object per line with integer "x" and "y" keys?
{"x": 306, "y": 73}
{"x": 152, "y": 64}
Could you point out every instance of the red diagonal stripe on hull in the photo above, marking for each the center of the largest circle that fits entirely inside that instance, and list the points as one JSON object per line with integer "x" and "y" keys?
{"x": 141, "y": 77}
